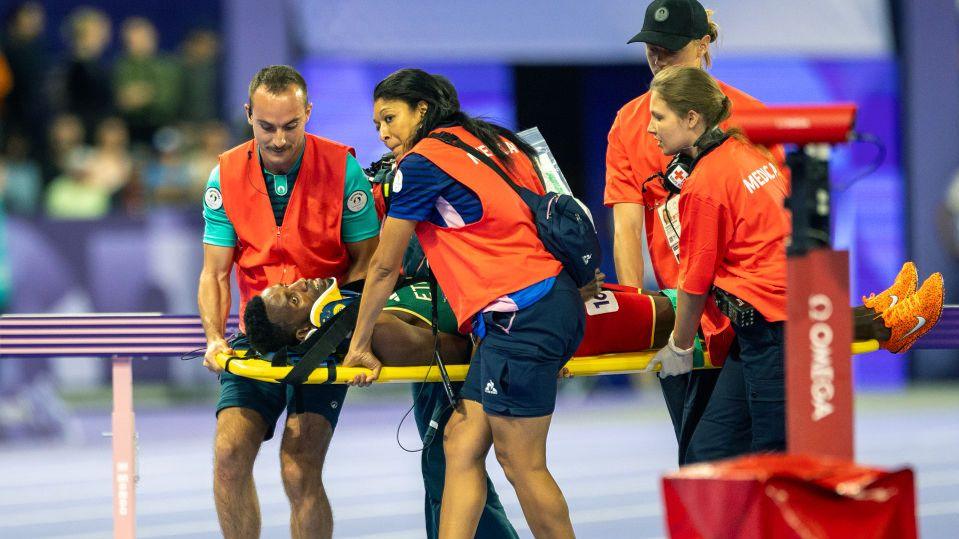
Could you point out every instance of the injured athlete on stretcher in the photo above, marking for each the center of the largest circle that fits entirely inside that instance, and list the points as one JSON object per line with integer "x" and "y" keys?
{"x": 619, "y": 319}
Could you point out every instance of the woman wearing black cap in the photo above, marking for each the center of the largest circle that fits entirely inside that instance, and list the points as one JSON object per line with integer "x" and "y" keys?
{"x": 676, "y": 33}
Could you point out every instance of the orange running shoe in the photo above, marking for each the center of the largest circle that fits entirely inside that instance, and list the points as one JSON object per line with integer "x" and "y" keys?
{"x": 912, "y": 317}
{"x": 903, "y": 287}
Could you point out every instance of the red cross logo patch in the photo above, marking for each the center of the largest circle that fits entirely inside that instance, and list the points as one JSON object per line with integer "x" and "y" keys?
{"x": 678, "y": 176}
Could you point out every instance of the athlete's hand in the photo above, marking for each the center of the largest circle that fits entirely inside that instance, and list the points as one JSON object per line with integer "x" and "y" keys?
{"x": 592, "y": 289}
{"x": 672, "y": 360}
{"x": 213, "y": 348}
{"x": 365, "y": 359}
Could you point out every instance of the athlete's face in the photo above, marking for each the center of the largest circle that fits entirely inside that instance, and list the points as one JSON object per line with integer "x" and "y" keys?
{"x": 672, "y": 131}
{"x": 279, "y": 125}
{"x": 396, "y": 122}
{"x": 689, "y": 56}
{"x": 289, "y": 305}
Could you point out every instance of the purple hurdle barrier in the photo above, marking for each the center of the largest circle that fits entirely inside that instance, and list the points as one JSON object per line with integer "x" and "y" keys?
{"x": 119, "y": 337}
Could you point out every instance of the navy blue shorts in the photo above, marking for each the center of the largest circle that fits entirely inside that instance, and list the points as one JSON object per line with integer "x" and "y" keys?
{"x": 270, "y": 400}
{"x": 513, "y": 372}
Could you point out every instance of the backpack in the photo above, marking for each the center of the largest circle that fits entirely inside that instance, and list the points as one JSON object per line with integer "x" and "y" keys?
{"x": 562, "y": 222}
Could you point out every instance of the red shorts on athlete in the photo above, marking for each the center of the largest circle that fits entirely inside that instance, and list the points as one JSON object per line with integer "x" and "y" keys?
{"x": 619, "y": 319}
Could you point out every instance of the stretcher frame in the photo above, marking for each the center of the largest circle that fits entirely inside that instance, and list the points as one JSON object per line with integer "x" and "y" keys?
{"x": 621, "y": 363}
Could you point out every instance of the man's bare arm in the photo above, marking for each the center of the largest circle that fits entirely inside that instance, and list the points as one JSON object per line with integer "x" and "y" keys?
{"x": 214, "y": 299}
{"x": 361, "y": 252}
{"x": 401, "y": 340}
{"x": 628, "y": 243}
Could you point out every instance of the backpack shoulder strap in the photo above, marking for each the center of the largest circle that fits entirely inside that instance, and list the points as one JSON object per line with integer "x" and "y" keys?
{"x": 455, "y": 141}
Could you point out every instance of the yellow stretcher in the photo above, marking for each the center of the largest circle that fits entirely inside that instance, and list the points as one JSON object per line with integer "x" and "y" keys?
{"x": 623, "y": 363}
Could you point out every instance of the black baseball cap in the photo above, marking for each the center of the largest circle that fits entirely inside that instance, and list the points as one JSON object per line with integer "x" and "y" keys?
{"x": 672, "y": 24}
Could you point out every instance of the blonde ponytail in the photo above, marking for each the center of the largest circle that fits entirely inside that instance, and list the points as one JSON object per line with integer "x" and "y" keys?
{"x": 713, "y": 36}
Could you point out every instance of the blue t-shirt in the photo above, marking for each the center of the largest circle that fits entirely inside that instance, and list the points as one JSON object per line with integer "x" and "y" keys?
{"x": 359, "y": 214}
{"x": 422, "y": 192}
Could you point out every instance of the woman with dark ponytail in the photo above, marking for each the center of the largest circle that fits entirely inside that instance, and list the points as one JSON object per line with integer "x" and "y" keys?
{"x": 431, "y": 408}
{"x": 442, "y": 109}
{"x": 501, "y": 283}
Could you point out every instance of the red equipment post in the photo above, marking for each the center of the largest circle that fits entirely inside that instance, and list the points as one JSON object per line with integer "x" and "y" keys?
{"x": 819, "y": 403}
{"x": 819, "y": 391}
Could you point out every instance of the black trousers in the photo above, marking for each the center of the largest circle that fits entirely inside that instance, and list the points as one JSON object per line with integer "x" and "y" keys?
{"x": 747, "y": 410}
{"x": 686, "y": 399}
{"x": 430, "y": 405}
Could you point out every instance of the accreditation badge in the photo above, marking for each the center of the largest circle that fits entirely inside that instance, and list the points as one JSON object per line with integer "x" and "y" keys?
{"x": 669, "y": 219}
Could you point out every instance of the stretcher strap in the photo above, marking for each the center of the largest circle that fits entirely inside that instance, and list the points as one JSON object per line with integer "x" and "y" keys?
{"x": 323, "y": 343}
{"x": 330, "y": 372}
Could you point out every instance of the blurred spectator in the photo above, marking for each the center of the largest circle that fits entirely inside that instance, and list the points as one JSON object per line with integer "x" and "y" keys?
{"x": 73, "y": 195}
{"x": 214, "y": 139}
{"x": 23, "y": 180}
{"x": 200, "y": 98}
{"x": 5, "y": 273}
{"x": 25, "y": 109}
{"x": 66, "y": 134}
{"x": 112, "y": 164}
{"x": 167, "y": 177}
{"x": 949, "y": 218}
{"x": 6, "y": 84}
{"x": 147, "y": 85}
{"x": 87, "y": 90}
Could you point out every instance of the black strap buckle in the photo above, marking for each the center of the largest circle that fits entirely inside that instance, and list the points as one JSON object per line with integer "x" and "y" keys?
{"x": 739, "y": 312}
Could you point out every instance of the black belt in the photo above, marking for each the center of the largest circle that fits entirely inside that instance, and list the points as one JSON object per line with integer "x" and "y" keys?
{"x": 739, "y": 312}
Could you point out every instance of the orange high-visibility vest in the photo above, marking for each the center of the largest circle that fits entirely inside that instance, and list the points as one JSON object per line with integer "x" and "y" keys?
{"x": 309, "y": 242}
{"x": 497, "y": 255}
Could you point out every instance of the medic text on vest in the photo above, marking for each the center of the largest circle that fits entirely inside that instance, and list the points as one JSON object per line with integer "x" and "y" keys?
{"x": 507, "y": 145}
{"x": 760, "y": 177}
